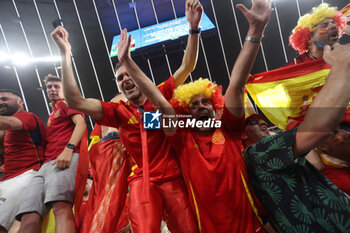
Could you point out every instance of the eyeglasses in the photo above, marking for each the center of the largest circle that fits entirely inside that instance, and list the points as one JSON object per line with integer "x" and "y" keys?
{"x": 251, "y": 121}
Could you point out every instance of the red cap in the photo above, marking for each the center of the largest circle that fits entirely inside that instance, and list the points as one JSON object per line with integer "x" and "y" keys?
{"x": 255, "y": 116}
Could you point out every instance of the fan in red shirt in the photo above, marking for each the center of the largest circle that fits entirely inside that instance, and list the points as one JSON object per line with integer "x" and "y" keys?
{"x": 157, "y": 189}
{"x": 316, "y": 29}
{"x": 54, "y": 184}
{"x": 23, "y": 154}
{"x": 210, "y": 154}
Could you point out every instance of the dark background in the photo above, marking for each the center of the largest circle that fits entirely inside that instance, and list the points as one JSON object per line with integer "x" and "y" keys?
{"x": 218, "y": 48}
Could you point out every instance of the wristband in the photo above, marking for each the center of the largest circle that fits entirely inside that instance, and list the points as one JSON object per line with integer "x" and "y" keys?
{"x": 70, "y": 146}
{"x": 195, "y": 31}
{"x": 253, "y": 39}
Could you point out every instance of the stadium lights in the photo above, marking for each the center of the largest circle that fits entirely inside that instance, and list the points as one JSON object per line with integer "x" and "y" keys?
{"x": 3, "y": 56}
{"x": 21, "y": 59}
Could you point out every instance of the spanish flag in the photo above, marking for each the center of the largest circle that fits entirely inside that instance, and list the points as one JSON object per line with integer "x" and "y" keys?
{"x": 284, "y": 94}
{"x": 346, "y": 10}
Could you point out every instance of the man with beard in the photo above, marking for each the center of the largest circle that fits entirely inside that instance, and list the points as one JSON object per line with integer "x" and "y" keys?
{"x": 156, "y": 186}
{"x": 315, "y": 30}
{"x": 210, "y": 156}
{"x": 23, "y": 152}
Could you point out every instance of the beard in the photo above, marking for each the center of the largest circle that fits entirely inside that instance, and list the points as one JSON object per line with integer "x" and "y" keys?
{"x": 7, "y": 110}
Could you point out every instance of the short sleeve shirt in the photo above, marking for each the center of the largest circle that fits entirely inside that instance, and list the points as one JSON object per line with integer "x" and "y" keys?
{"x": 214, "y": 171}
{"x": 163, "y": 164}
{"x": 298, "y": 197}
{"x": 24, "y": 149}
{"x": 59, "y": 130}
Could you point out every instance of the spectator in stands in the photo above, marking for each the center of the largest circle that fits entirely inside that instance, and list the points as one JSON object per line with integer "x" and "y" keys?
{"x": 314, "y": 30}
{"x": 298, "y": 197}
{"x": 23, "y": 153}
{"x": 254, "y": 129}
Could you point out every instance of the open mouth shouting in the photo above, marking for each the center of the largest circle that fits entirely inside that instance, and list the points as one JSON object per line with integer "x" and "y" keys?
{"x": 129, "y": 86}
{"x": 334, "y": 35}
{"x": 203, "y": 115}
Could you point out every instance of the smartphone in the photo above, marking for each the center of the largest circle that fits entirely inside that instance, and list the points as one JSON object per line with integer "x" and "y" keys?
{"x": 56, "y": 23}
{"x": 345, "y": 39}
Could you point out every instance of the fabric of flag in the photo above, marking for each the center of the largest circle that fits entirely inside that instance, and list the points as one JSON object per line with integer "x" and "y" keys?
{"x": 95, "y": 135}
{"x": 105, "y": 210}
{"x": 81, "y": 176}
{"x": 346, "y": 10}
{"x": 284, "y": 94}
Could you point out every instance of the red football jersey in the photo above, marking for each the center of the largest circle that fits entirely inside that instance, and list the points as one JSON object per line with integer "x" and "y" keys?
{"x": 59, "y": 130}
{"x": 24, "y": 149}
{"x": 216, "y": 177}
{"x": 163, "y": 164}
{"x": 339, "y": 176}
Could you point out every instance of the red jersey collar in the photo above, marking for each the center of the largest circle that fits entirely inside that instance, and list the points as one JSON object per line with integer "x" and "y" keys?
{"x": 54, "y": 104}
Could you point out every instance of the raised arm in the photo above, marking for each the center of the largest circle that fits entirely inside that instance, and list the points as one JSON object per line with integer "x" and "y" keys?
{"x": 145, "y": 85}
{"x": 327, "y": 110}
{"x": 72, "y": 94}
{"x": 258, "y": 16}
{"x": 194, "y": 11}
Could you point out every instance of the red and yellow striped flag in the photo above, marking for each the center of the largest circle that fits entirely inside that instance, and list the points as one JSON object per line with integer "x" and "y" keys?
{"x": 346, "y": 10}
{"x": 285, "y": 93}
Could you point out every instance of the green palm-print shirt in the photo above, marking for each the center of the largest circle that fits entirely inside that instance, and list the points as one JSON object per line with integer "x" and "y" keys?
{"x": 297, "y": 196}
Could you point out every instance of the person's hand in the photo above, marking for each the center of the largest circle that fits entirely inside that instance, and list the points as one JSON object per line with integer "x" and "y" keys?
{"x": 64, "y": 159}
{"x": 194, "y": 11}
{"x": 60, "y": 36}
{"x": 124, "y": 46}
{"x": 259, "y": 14}
{"x": 337, "y": 54}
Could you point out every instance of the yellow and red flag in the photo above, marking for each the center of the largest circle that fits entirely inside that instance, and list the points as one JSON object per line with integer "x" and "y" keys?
{"x": 284, "y": 94}
{"x": 346, "y": 10}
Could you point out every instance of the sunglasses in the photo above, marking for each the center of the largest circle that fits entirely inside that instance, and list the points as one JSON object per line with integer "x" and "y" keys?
{"x": 252, "y": 121}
